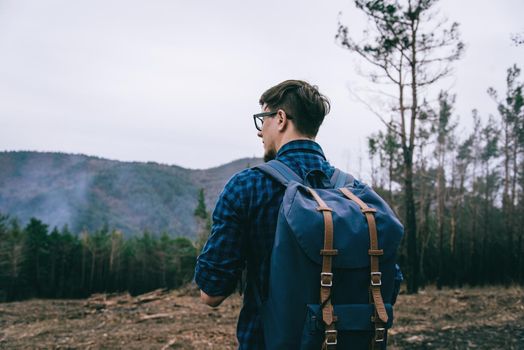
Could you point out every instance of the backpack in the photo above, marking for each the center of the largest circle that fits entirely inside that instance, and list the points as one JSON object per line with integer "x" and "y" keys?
{"x": 332, "y": 266}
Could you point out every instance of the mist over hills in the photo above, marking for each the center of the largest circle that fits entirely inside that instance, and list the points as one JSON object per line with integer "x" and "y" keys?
{"x": 87, "y": 192}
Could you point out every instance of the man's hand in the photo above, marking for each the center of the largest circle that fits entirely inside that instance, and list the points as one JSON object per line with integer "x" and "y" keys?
{"x": 211, "y": 301}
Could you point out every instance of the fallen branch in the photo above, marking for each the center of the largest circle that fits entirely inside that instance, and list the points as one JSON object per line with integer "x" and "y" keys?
{"x": 169, "y": 344}
{"x": 154, "y": 317}
{"x": 151, "y": 296}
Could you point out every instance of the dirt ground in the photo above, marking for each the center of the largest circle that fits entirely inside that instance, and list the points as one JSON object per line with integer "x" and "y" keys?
{"x": 487, "y": 318}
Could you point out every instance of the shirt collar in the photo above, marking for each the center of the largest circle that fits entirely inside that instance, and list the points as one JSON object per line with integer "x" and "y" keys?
{"x": 308, "y": 146}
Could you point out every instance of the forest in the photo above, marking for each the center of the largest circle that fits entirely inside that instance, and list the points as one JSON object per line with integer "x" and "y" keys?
{"x": 467, "y": 189}
{"x": 37, "y": 262}
{"x": 458, "y": 193}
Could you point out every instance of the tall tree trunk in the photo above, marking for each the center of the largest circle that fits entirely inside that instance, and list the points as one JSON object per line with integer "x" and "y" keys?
{"x": 61, "y": 281}
{"x": 425, "y": 205}
{"x": 411, "y": 227}
{"x": 84, "y": 239}
{"x": 440, "y": 224}
{"x": 37, "y": 279}
{"x": 411, "y": 220}
{"x": 52, "y": 277}
{"x": 507, "y": 204}
{"x": 484, "y": 250}
{"x": 92, "y": 272}
{"x": 390, "y": 178}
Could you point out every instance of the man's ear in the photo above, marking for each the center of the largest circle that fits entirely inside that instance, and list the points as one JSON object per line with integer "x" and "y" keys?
{"x": 282, "y": 120}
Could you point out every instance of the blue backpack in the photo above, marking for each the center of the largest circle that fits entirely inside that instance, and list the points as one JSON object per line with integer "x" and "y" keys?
{"x": 332, "y": 269}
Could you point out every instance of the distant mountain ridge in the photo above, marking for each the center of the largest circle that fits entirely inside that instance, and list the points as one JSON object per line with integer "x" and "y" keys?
{"x": 88, "y": 192}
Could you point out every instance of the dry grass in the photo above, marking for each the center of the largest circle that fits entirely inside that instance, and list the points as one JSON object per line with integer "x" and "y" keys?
{"x": 487, "y": 318}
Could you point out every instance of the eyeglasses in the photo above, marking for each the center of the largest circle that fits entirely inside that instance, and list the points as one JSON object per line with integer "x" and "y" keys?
{"x": 259, "y": 118}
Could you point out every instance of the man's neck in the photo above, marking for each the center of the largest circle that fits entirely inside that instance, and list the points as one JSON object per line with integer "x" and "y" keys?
{"x": 287, "y": 139}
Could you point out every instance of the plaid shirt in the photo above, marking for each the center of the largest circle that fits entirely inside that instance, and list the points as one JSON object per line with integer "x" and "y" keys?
{"x": 243, "y": 231}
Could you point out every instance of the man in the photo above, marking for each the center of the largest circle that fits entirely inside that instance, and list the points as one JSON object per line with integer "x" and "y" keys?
{"x": 245, "y": 216}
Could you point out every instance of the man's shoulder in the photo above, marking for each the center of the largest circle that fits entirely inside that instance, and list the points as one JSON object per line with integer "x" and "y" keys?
{"x": 244, "y": 179}
{"x": 246, "y": 174}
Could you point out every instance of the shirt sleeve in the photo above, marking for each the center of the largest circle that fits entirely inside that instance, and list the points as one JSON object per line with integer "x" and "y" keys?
{"x": 220, "y": 264}
{"x": 396, "y": 286}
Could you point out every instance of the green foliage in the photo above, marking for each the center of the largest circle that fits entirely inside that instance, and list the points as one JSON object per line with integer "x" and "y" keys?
{"x": 37, "y": 253}
{"x": 59, "y": 264}
{"x": 12, "y": 247}
{"x": 203, "y": 221}
{"x": 200, "y": 210}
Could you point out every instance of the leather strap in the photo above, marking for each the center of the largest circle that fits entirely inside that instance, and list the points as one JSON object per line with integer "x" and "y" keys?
{"x": 380, "y": 317}
{"x": 330, "y": 338}
{"x": 326, "y": 276}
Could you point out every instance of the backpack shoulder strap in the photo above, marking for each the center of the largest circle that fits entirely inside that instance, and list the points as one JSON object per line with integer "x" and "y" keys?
{"x": 341, "y": 179}
{"x": 279, "y": 171}
{"x": 381, "y": 317}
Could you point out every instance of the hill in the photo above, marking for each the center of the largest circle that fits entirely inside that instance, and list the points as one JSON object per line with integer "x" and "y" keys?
{"x": 86, "y": 192}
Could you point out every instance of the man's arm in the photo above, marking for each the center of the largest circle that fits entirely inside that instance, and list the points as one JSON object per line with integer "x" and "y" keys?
{"x": 222, "y": 259}
{"x": 211, "y": 301}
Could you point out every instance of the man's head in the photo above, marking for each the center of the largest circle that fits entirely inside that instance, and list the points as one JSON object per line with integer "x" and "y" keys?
{"x": 297, "y": 111}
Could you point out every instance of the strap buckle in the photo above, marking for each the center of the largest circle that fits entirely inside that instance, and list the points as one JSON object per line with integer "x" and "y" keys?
{"x": 380, "y": 334}
{"x": 329, "y": 277}
{"x": 324, "y": 208}
{"x": 331, "y": 337}
{"x": 368, "y": 210}
{"x": 376, "y": 274}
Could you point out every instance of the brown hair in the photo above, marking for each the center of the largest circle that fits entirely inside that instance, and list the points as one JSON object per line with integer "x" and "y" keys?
{"x": 300, "y": 100}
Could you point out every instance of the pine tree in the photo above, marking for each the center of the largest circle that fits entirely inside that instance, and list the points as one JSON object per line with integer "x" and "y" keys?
{"x": 203, "y": 219}
{"x": 37, "y": 255}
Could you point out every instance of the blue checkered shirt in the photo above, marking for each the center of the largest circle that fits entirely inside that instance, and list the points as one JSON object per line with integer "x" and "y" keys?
{"x": 243, "y": 231}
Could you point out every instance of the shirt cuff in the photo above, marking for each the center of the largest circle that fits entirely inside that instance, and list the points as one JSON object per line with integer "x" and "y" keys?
{"x": 214, "y": 282}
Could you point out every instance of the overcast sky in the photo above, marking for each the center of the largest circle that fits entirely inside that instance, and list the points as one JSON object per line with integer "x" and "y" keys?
{"x": 177, "y": 81}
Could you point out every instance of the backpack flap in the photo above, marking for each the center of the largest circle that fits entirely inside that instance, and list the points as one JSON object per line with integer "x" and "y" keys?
{"x": 351, "y": 234}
